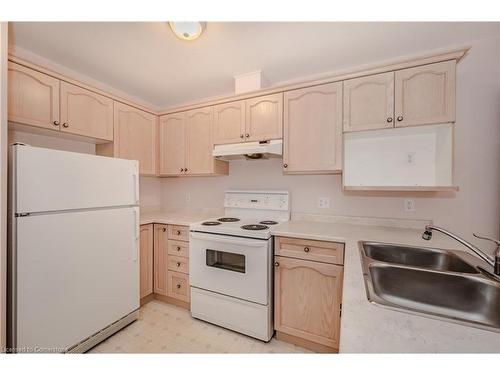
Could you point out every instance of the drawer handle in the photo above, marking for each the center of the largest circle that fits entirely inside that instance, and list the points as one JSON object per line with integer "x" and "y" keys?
{"x": 182, "y": 169}
{"x": 276, "y": 264}
{"x": 247, "y": 135}
{"x": 178, "y": 286}
{"x": 178, "y": 264}
{"x": 306, "y": 249}
{"x": 178, "y": 232}
{"x": 164, "y": 229}
{"x": 178, "y": 248}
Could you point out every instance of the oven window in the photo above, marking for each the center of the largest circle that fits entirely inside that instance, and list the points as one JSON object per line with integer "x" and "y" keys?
{"x": 226, "y": 261}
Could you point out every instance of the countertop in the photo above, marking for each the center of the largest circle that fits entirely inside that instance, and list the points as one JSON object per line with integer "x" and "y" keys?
{"x": 368, "y": 328}
{"x": 176, "y": 217}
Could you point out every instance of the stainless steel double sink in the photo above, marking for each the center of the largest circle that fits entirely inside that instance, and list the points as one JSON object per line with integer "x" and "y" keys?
{"x": 444, "y": 284}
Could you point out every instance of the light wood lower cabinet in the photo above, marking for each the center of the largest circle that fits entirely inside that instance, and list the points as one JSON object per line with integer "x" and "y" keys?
{"x": 165, "y": 263}
{"x": 307, "y": 301}
{"x": 146, "y": 260}
{"x": 160, "y": 259}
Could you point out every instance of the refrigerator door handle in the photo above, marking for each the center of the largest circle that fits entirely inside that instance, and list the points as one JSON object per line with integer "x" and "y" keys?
{"x": 136, "y": 188}
{"x": 137, "y": 234}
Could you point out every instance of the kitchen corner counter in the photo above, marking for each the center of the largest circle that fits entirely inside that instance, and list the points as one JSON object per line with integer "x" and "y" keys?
{"x": 175, "y": 217}
{"x": 368, "y": 328}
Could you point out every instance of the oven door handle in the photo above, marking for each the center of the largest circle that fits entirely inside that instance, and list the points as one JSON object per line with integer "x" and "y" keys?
{"x": 225, "y": 239}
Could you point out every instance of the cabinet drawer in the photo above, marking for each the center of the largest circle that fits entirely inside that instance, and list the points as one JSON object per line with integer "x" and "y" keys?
{"x": 178, "y": 232}
{"x": 178, "y": 264}
{"x": 178, "y": 286}
{"x": 321, "y": 251}
{"x": 178, "y": 248}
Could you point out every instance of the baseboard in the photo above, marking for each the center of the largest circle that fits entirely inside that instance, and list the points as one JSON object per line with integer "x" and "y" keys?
{"x": 147, "y": 299}
{"x": 315, "y": 347}
{"x": 172, "y": 301}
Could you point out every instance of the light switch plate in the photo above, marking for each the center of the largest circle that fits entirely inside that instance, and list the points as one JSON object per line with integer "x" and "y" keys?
{"x": 324, "y": 202}
{"x": 409, "y": 205}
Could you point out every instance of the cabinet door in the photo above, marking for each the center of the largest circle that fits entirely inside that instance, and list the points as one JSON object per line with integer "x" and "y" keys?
{"x": 146, "y": 260}
{"x": 264, "y": 118}
{"x": 369, "y": 102}
{"x": 86, "y": 113}
{"x": 307, "y": 300}
{"x": 199, "y": 153}
{"x": 229, "y": 123}
{"x": 425, "y": 94}
{"x": 172, "y": 144}
{"x": 313, "y": 129}
{"x": 160, "y": 259}
{"x": 33, "y": 97}
{"x": 135, "y": 137}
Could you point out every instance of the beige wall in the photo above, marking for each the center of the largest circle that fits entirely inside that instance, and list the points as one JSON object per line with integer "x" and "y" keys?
{"x": 475, "y": 207}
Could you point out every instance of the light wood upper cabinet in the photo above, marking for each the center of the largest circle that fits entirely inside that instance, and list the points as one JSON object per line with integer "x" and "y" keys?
{"x": 86, "y": 113}
{"x": 172, "y": 144}
{"x": 186, "y": 144}
{"x": 135, "y": 137}
{"x": 33, "y": 97}
{"x": 146, "y": 260}
{"x": 160, "y": 259}
{"x": 369, "y": 102}
{"x": 229, "y": 122}
{"x": 308, "y": 298}
{"x": 264, "y": 118}
{"x": 199, "y": 159}
{"x": 425, "y": 94}
{"x": 313, "y": 129}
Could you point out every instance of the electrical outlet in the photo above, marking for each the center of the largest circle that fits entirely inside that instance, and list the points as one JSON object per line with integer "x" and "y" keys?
{"x": 324, "y": 202}
{"x": 410, "y": 158}
{"x": 188, "y": 197}
{"x": 409, "y": 205}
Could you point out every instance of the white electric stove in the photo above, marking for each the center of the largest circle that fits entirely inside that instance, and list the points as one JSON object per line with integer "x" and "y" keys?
{"x": 230, "y": 262}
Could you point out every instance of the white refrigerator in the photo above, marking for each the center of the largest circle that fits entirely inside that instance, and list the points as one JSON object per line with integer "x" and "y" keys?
{"x": 73, "y": 249}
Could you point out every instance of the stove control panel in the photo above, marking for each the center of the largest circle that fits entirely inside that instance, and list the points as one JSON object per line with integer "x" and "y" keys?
{"x": 276, "y": 200}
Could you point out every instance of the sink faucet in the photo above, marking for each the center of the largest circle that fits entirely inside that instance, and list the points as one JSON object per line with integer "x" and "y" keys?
{"x": 493, "y": 262}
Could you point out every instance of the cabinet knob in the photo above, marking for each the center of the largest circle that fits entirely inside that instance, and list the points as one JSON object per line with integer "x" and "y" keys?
{"x": 247, "y": 135}
{"x": 178, "y": 264}
{"x": 178, "y": 248}
{"x": 164, "y": 229}
{"x": 65, "y": 125}
{"x": 285, "y": 165}
{"x": 178, "y": 286}
{"x": 400, "y": 118}
{"x": 242, "y": 136}
{"x": 276, "y": 264}
{"x": 185, "y": 169}
{"x": 178, "y": 232}
{"x": 56, "y": 123}
{"x": 182, "y": 169}
{"x": 306, "y": 249}
{"x": 389, "y": 119}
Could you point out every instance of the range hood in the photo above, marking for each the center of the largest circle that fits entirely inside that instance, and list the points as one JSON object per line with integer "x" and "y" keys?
{"x": 250, "y": 150}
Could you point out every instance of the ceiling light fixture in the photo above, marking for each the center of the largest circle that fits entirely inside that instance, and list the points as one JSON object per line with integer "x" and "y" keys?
{"x": 187, "y": 30}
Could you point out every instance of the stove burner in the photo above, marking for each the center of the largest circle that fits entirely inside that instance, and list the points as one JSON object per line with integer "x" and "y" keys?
{"x": 268, "y": 222}
{"x": 254, "y": 227}
{"x": 228, "y": 219}
{"x": 210, "y": 223}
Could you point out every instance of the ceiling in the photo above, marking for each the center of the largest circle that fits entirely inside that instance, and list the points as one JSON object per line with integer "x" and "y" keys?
{"x": 145, "y": 60}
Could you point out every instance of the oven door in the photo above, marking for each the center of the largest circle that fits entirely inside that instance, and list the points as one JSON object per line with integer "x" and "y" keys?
{"x": 234, "y": 266}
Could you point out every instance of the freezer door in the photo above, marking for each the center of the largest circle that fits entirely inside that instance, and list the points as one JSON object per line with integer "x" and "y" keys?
{"x": 76, "y": 273}
{"x": 51, "y": 180}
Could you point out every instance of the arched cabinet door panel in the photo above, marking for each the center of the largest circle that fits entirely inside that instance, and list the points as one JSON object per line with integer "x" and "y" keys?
{"x": 264, "y": 118}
